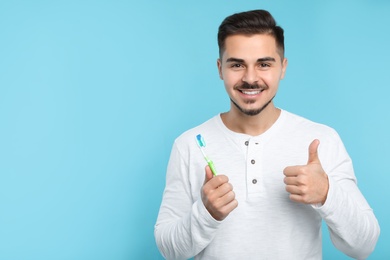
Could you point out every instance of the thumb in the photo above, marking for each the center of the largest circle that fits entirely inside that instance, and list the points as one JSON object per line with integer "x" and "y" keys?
{"x": 209, "y": 174}
{"x": 313, "y": 153}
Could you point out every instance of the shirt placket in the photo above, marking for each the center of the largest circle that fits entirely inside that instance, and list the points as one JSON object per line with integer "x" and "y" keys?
{"x": 253, "y": 165}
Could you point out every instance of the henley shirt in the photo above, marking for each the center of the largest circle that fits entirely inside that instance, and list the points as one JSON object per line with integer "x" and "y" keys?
{"x": 266, "y": 224}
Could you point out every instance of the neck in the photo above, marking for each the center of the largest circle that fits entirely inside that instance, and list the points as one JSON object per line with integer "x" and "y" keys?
{"x": 239, "y": 122}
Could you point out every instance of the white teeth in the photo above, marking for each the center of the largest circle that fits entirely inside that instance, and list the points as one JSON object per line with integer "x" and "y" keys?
{"x": 253, "y": 92}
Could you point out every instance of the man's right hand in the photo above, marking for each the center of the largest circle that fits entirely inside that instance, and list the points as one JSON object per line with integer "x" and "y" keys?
{"x": 218, "y": 195}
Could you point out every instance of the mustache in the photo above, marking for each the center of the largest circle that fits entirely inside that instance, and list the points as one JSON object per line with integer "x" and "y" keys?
{"x": 246, "y": 85}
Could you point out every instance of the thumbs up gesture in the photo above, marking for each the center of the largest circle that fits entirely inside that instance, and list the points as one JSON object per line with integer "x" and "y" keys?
{"x": 217, "y": 195}
{"x": 307, "y": 183}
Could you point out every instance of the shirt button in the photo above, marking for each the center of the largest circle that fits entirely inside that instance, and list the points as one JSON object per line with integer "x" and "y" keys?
{"x": 246, "y": 143}
{"x": 254, "y": 181}
{"x": 253, "y": 161}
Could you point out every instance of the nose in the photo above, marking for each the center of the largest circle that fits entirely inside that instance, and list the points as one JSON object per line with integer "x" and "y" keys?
{"x": 250, "y": 75}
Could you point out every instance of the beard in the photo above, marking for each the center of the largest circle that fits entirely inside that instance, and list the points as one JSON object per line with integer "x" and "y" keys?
{"x": 246, "y": 86}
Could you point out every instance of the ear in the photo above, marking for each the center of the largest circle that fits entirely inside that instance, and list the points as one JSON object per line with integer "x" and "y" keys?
{"x": 284, "y": 67}
{"x": 219, "y": 65}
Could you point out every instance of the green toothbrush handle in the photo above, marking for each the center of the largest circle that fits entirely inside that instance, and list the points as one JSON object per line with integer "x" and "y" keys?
{"x": 212, "y": 167}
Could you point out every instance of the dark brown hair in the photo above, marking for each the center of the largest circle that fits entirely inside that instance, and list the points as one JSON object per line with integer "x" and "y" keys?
{"x": 249, "y": 23}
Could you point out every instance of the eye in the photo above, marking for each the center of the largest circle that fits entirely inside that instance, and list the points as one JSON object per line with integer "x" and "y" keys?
{"x": 236, "y": 65}
{"x": 264, "y": 65}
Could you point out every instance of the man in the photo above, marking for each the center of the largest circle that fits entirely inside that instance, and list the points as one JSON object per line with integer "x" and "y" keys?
{"x": 275, "y": 182}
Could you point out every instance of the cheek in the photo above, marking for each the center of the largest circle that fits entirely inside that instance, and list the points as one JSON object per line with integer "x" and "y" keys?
{"x": 231, "y": 78}
{"x": 271, "y": 79}
{"x": 229, "y": 83}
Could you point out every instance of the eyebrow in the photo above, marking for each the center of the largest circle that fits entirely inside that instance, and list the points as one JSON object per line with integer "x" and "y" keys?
{"x": 258, "y": 60}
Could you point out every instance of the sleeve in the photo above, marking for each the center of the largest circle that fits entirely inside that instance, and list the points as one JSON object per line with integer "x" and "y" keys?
{"x": 184, "y": 227}
{"x": 352, "y": 225}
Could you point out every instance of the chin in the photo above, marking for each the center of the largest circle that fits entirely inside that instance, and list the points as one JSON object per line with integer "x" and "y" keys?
{"x": 252, "y": 111}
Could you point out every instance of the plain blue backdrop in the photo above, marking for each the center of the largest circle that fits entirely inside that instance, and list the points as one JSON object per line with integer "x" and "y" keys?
{"x": 93, "y": 93}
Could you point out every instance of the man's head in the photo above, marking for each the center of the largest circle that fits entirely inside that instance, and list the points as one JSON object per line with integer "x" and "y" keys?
{"x": 252, "y": 61}
{"x": 250, "y": 23}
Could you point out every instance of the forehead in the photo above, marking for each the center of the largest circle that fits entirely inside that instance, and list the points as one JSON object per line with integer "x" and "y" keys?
{"x": 250, "y": 46}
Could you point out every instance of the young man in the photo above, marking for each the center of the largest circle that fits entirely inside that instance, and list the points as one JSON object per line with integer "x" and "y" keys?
{"x": 275, "y": 182}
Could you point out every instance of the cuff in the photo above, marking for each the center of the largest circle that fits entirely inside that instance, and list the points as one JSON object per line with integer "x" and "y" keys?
{"x": 203, "y": 216}
{"x": 331, "y": 203}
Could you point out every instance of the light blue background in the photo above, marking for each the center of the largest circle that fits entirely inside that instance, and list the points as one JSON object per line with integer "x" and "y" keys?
{"x": 93, "y": 93}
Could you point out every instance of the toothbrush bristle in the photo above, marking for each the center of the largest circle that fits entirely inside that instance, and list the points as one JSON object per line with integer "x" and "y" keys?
{"x": 200, "y": 140}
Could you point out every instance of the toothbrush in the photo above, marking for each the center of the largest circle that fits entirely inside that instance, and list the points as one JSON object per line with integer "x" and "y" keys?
{"x": 201, "y": 144}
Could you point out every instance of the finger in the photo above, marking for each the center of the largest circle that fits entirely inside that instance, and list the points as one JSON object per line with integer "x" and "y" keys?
{"x": 225, "y": 210}
{"x": 296, "y": 198}
{"x": 208, "y": 175}
{"x": 215, "y": 183}
{"x": 223, "y": 189}
{"x": 313, "y": 152}
{"x": 292, "y": 189}
{"x": 231, "y": 206}
{"x": 292, "y": 171}
{"x": 290, "y": 180}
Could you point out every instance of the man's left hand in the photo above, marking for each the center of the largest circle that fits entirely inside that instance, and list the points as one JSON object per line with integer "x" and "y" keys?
{"x": 307, "y": 183}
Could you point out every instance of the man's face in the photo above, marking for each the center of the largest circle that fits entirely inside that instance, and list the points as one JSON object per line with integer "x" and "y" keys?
{"x": 251, "y": 69}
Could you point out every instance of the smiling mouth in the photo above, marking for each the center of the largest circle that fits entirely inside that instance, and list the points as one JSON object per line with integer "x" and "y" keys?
{"x": 251, "y": 89}
{"x": 251, "y": 92}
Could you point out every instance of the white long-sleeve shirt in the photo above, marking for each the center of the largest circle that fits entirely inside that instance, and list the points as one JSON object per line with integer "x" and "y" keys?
{"x": 266, "y": 224}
